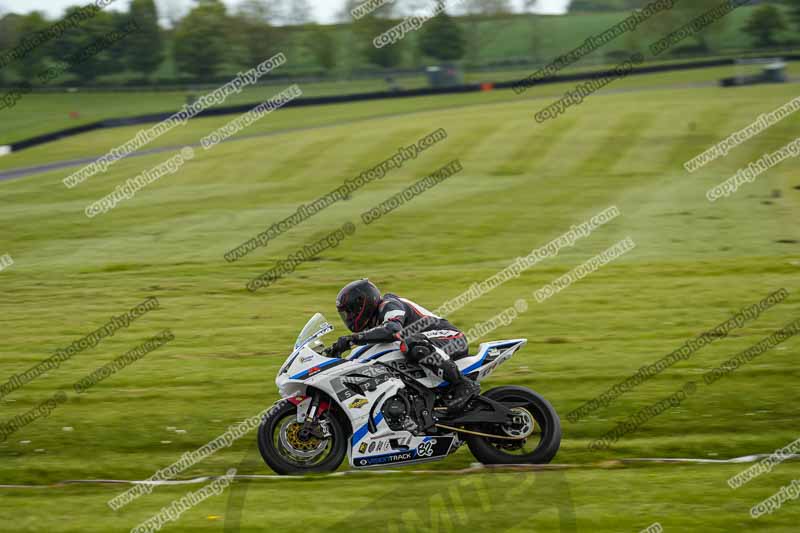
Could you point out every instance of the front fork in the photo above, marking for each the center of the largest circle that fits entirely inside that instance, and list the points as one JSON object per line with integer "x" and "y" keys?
{"x": 309, "y": 412}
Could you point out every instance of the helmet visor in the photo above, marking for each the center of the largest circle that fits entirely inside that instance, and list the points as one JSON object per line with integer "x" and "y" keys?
{"x": 346, "y": 318}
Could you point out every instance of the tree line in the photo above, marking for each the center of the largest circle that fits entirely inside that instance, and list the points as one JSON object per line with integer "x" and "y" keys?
{"x": 210, "y": 40}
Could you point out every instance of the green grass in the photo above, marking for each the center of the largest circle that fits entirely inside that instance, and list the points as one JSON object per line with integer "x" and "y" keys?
{"x": 680, "y": 498}
{"x": 523, "y": 184}
{"x": 38, "y": 113}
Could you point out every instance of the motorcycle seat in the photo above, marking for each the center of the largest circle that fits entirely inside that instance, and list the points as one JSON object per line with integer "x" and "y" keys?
{"x": 461, "y": 356}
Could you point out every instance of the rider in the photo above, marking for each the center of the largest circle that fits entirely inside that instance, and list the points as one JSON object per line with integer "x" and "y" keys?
{"x": 425, "y": 338}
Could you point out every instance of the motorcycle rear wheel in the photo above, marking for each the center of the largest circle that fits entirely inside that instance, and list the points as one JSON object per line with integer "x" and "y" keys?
{"x": 287, "y": 454}
{"x": 546, "y": 427}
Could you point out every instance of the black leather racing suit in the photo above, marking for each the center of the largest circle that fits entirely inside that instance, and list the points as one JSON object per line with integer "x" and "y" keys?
{"x": 402, "y": 319}
{"x": 421, "y": 332}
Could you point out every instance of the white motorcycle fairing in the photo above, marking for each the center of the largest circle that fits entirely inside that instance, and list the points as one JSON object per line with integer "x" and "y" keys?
{"x": 373, "y": 442}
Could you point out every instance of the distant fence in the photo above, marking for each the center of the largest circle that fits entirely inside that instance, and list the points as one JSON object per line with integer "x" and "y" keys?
{"x": 361, "y": 97}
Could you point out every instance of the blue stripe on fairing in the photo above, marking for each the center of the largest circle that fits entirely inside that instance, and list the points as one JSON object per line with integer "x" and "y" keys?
{"x": 376, "y": 355}
{"x": 304, "y": 373}
{"x": 358, "y": 352}
{"x": 478, "y": 364}
{"x": 360, "y": 432}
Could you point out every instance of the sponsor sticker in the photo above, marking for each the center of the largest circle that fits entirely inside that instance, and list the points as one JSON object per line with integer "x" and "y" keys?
{"x": 358, "y": 403}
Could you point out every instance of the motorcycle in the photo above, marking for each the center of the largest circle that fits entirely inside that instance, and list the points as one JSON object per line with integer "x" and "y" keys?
{"x": 378, "y": 408}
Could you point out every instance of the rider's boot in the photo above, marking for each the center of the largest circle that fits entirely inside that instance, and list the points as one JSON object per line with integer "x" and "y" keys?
{"x": 461, "y": 390}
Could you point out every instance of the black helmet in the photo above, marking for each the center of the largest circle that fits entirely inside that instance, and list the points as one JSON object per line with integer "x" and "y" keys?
{"x": 357, "y": 304}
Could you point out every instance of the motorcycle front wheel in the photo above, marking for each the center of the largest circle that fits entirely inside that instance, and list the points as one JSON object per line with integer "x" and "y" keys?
{"x": 287, "y": 452}
{"x": 535, "y": 435}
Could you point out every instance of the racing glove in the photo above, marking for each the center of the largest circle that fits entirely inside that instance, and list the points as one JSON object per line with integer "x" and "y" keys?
{"x": 340, "y": 346}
